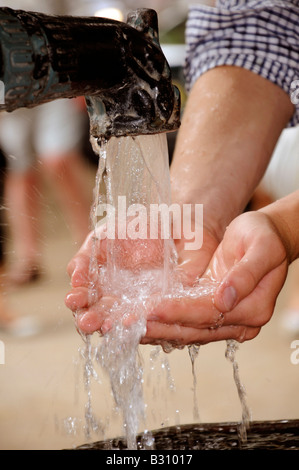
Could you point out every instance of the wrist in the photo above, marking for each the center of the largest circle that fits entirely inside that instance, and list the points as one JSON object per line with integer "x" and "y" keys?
{"x": 284, "y": 217}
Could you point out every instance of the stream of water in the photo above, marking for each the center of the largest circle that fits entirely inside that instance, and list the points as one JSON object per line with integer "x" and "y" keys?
{"x": 133, "y": 175}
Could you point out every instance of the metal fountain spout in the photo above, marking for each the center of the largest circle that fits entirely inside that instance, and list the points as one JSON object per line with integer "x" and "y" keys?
{"x": 119, "y": 68}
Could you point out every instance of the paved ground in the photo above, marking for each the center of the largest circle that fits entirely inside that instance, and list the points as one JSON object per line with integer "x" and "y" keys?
{"x": 42, "y": 393}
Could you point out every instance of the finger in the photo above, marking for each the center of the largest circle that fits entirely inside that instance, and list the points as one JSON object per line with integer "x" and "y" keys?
{"x": 186, "y": 311}
{"x": 79, "y": 272}
{"x": 89, "y": 322}
{"x": 84, "y": 271}
{"x": 246, "y": 274}
{"x": 82, "y": 297}
{"x": 77, "y": 299}
{"x": 92, "y": 253}
{"x": 177, "y": 335}
{"x": 91, "y": 319}
{"x": 257, "y": 308}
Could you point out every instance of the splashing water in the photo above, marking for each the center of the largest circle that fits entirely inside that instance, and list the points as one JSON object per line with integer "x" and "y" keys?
{"x": 135, "y": 169}
{"x": 135, "y": 172}
{"x": 230, "y": 354}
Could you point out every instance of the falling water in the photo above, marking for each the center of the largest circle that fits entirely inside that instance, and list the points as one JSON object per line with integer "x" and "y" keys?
{"x": 230, "y": 354}
{"x": 193, "y": 350}
{"x": 136, "y": 270}
{"x": 135, "y": 169}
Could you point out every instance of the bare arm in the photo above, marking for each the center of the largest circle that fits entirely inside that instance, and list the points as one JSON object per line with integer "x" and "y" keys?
{"x": 230, "y": 127}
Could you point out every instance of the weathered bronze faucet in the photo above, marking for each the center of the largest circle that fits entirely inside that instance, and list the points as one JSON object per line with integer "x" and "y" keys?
{"x": 118, "y": 67}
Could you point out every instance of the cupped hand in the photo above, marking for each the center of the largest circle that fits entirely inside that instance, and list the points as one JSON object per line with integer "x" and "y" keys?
{"x": 249, "y": 267}
{"x": 86, "y": 299}
{"x": 244, "y": 273}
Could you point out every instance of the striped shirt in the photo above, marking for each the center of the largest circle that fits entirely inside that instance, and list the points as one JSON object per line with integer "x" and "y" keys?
{"x": 261, "y": 36}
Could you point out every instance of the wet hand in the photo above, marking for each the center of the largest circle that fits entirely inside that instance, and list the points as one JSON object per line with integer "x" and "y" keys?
{"x": 250, "y": 267}
{"x": 87, "y": 299}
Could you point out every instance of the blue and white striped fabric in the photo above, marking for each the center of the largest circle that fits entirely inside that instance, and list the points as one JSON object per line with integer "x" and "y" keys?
{"x": 261, "y": 36}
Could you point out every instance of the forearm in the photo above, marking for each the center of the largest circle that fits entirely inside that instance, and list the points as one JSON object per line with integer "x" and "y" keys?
{"x": 230, "y": 126}
{"x": 284, "y": 214}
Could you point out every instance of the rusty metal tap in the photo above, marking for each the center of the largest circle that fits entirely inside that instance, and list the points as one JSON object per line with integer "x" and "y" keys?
{"x": 119, "y": 68}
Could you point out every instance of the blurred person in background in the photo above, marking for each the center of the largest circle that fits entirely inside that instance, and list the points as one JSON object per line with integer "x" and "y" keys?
{"x": 45, "y": 140}
{"x": 42, "y": 141}
{"x": 10, "y": 321}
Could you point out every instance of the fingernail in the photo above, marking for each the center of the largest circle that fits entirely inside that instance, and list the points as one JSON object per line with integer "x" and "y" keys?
{"x": 229, "y": 297}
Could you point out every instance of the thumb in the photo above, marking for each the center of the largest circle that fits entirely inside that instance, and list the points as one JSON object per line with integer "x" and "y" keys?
{"x": 245, "y": 275}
